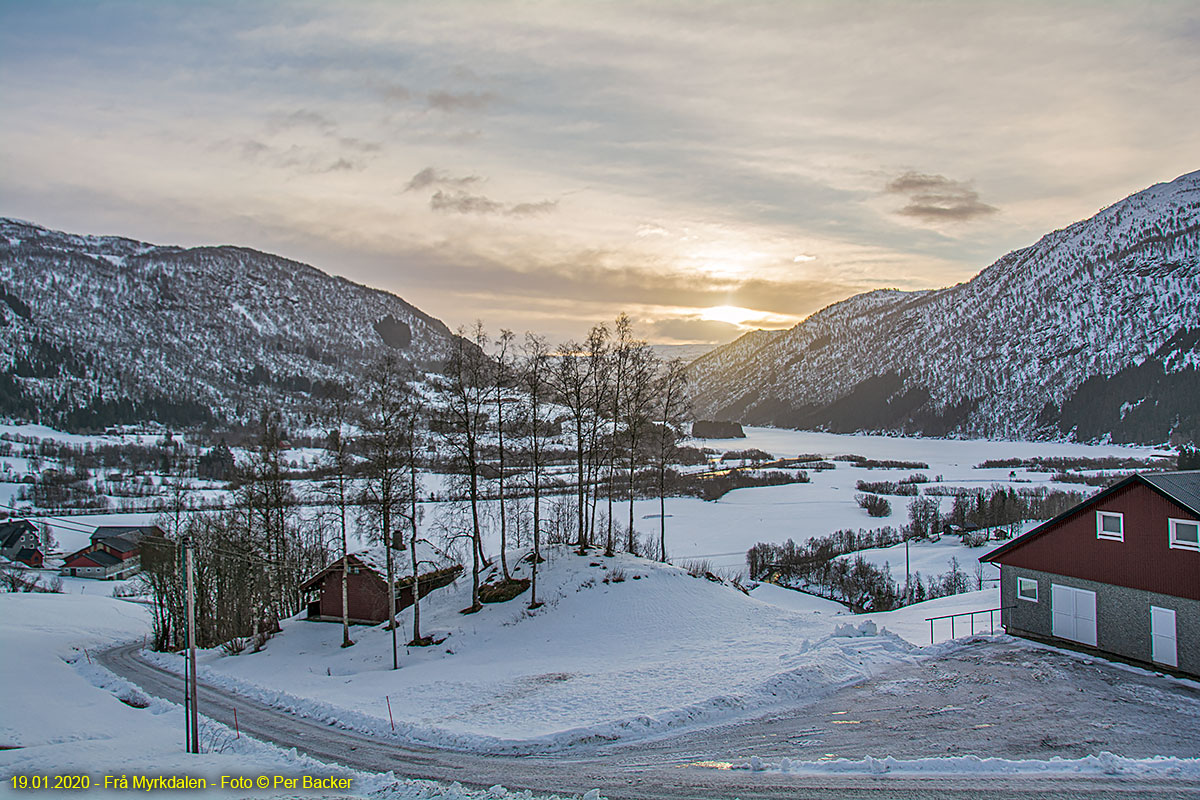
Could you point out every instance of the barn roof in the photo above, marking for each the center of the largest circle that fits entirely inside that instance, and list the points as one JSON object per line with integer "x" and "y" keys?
{"x": 134, "y": 533}
{"x": 1181, "y": 487}
{"x": 11, "y": 532}
{"x": 119, "y": 543}
{"x": 97, "y": 557}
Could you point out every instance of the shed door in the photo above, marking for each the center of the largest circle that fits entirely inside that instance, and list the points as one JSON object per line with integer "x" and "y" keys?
{"x": 1162, "y": 636}
{"x": 1073, "y": 614}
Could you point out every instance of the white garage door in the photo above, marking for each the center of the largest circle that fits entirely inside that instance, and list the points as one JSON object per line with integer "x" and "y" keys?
{"x": 1073, "y": 614}
{"x": 1162, "y": 636}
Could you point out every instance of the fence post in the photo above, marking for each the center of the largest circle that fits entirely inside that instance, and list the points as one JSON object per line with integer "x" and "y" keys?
{"x": 931, "y": 630}
{"x": 390, "y": 719}
{"x": 951, "y": 627}
{"x": 236, "y": 729}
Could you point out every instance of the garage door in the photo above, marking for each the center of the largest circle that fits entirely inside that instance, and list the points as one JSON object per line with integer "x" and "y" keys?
{"x": 1073, "y": 614}
{"x": 1162, "y": 636}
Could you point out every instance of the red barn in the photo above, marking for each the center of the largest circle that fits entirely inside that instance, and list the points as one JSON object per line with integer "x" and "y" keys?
{"x": 1118, "y": 574}
{"x": 366, "y": 580}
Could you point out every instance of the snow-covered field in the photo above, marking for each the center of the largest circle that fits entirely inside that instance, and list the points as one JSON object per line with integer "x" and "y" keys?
{"x": 722, "y": 531}
{"x": 63, "y": 716}
{"x": 656, "y": 652}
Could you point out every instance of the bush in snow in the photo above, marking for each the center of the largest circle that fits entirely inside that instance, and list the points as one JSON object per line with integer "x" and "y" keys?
{"x": 875, "y": 505}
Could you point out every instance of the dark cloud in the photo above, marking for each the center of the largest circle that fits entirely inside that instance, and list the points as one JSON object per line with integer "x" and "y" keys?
{"x": 936, "y": 198}
{"x": 436, "y": 177}
{"x": 694, "y": 329}
{"x": 464, "y": 101}
{"x": 457, "y": 202}
{"x": 463, "y": 203}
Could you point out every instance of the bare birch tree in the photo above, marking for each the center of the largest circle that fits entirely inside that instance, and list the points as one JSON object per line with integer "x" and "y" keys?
{"x": 534, "y": 379}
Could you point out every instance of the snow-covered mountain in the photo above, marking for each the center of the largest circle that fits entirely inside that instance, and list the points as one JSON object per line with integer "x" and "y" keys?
{"x": 96, "y": 330}
{"x": 1092, "y": 332}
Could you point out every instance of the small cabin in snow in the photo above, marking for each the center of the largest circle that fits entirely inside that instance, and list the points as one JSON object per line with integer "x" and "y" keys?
{"x": 1118, "y": 574}
{"x": 366, "y": 581}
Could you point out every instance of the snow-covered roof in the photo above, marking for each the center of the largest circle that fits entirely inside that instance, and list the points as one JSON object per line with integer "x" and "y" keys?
{"x": 431, "y": 559}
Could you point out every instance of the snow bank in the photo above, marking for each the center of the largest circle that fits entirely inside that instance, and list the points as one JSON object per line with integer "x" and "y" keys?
{"x": 1103, "y": 764}
{"x": 64, "y": 715}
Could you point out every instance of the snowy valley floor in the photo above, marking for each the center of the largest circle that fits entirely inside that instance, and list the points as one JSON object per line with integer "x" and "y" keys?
{"x": 662, "y": 680}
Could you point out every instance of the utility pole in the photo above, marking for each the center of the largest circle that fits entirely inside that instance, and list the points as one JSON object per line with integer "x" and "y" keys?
{"x": 907, "y": 593}
{"x": 194, "y": 722}
{"x": 392, "y": 600}
{"x": 187, "y": 680}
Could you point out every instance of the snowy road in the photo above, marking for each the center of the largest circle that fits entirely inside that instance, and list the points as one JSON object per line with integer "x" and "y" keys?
{"x": 994, "y": 699}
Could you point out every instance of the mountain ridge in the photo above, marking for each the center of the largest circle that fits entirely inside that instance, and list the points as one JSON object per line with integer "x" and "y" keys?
{"x": 1004, "y": 354}
{"x": 106, "y": 329}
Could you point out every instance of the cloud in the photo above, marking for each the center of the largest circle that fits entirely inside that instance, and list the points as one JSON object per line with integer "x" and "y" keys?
{"x": 436, "y": 177}
{"x": 395, "y": 92}
{"x": 464, "y": 203}
{"x": 936, "y": 198}
{"x": 464, "y": 101}
{"x": 587, "y": 278}
{"x": 302, "y": 118}
{"x": 532, "y": 209}
{"x": 695, "y": 330}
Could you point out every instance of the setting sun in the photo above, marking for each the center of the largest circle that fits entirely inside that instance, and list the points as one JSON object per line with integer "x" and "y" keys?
{"x": 734, "y": 315}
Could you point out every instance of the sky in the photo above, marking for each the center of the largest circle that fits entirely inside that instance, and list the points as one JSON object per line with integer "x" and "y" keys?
{"x": 707, "y": 167}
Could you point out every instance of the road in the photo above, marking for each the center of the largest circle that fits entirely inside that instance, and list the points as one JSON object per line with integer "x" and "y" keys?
{"x": 888, "y": 720}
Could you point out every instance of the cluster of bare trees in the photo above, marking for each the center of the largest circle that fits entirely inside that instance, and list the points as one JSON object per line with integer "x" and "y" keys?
{"x": 249, "y": 560}
{"x": 507, "y": 420}
{"x": 511, "y": 412}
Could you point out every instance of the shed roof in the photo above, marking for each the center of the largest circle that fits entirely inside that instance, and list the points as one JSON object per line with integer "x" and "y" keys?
{"x": 432, "y": 559}
{"x": 26, "y": 553}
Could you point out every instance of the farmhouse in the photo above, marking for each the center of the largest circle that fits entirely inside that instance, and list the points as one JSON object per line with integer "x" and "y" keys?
{"x": 19, "y": 541}
{"x": 366, "y": 579}
{"x": 113, "y": 552}
{"x": 1118, "y": 574}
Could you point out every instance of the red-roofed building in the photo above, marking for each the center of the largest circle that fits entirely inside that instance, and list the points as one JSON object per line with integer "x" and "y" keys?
{"x": 366, "y": 580}
{"x": 1118, "y": 574}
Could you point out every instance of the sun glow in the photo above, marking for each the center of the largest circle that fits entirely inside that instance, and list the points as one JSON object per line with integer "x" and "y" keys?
{"x": 734, "y": 315}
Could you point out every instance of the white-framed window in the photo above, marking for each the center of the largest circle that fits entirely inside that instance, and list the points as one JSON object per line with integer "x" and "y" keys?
{"x": 1184, "y": 534}
{"x": 1110, "y": 525}
{"x": 1027, "y": 589}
